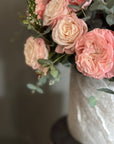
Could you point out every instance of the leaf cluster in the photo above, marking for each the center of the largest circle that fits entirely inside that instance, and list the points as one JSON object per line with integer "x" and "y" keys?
{"x": 106, "y": 7}
{"x": 36, "y": 24}
{"x": 37, "y": 86}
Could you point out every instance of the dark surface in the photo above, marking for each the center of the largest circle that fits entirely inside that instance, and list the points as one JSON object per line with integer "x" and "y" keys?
{"x": 60, "y": 133}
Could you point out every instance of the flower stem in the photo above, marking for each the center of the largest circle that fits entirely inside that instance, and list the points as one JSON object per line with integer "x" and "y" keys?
{"x": 58, "y": 58}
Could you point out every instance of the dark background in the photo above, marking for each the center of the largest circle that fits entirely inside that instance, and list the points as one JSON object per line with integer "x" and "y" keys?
{"x": 24, "y": 118}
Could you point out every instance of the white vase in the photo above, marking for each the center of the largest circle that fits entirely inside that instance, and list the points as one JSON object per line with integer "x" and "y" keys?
{"x": 90, "y": 125}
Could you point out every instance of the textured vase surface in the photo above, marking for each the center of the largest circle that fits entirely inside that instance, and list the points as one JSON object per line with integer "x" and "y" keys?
{"x": 90, "y": 125}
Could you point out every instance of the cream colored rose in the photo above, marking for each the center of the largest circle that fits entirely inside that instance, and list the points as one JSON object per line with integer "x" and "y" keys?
{"x": 35, "y": 49}
{"x": 54, "y": 10}
{"x": 67, "y": 31}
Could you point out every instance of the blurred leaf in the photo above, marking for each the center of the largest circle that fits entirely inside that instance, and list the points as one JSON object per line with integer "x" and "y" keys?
{"x": 47, "y": 30}
{"x": 54, "y": 72}
{"x": 45, "y": 62}
{"x": 112, "y": 9}
{"x": 110, "y": 19}
{"x": 51, "y": 82}
{"x": 110, "y": 3}
{"x": 42, "y": 81}
{"x": 31, "y": 86}
{"x": 106, "y": 90}
{"x": 58, "y": 78}
{"x": 39, "y": 90}
{"x": 92, "y": 101}
{"x": 74, "y": 6}
{"x": 99, "y": 5}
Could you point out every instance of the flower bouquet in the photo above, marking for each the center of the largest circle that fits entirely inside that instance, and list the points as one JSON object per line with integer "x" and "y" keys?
{"x": 78, "y": 33}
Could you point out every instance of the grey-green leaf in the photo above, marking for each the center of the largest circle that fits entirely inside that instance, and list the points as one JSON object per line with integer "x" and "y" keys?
{"x": 92, "y": 101}
{"x": 110, "y": 3}
{"x": 110, "y": 19}
{"x": 51, "y": 82}
{"x": 45, "y": 62}
{"x": 58, "y": 78}
{"x": 31, "y": 86}
{"x": 54, "y": 72}
{"x": 42, "y": 81}
{"x": 47, "y": 30}
{"x": 39, "y": 90}
{"x": 98, "y": 5}
{"x": 106, "y": 90}
{"x": 73, "y": 6}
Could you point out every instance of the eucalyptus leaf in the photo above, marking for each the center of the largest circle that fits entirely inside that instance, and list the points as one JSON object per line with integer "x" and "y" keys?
{"x": 74, "y": 6}
{"x": 31, "y": 86}
{"x": 58, "y": 78}
{"x": 45, "y": 62}
{"x": 54, "y": 72}
{"x": 92, "y": 101}
{"x": 42, "y": 81}
{"x": 98, "y": 5}
{"x": 110, "y": 3}
{"x": 51, "y": 82}
{"x": 110, "y": 19}
{"x": 39, "y": 90}
{"x": 106, "y": 90}
{"x": 47, "y": 30}
{"x": 112, "y": 9}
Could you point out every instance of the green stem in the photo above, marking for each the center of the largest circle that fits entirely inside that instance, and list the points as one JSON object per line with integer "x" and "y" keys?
{"x": 41, "y": 35}
{"x": 58, "y": 58}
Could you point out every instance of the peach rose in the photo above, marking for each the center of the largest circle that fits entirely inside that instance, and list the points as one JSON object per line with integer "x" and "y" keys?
{"x": 95, "y": 54}
{"x": 84, "y": 3}
{"x": 40, "y": 7}
{"x": 54, "y": 10}
{"x": 35, "y": 49}
{"x": 67, "y": 31}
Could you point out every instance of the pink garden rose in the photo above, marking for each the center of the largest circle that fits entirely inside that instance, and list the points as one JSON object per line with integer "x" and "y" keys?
{"x": 40, "y": 7}
{"x": 55, "y": 9}
{"x": 67, "y": 31}
{"x": 35, "y": 49}
{"x": 95, "y": 54}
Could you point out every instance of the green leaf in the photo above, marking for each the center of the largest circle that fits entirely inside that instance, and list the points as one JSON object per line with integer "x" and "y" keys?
{"x": 47, "y": 30}
{"x": 54, "y": 72}
{"x": 42, "y": 81}
{"x": 110, "y": 19}
{"x": 98, "y": 5}
{"x": 31, "y": 86}
{"x": 112, "y": 10}
{"x": 39, "y": 90}
{"x": 110, "y": 3}
{"x": 58, "y": 78}
{"x": 92, "y": 101}
{"x": 51, "y": 82}
{"x": 106, "y": 90}
{"x": 74, "y": 6}
{"x": 45, "y": 62}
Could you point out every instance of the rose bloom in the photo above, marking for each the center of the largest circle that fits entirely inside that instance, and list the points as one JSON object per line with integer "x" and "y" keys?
{"x": 54, "y": 10}
{"x": 95, "y": 54}
{"x": 35, "y": 49}
{"x": 67, "y": 31}
{"x": 84, "y": 3}
{"x": 40, "y": 7}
